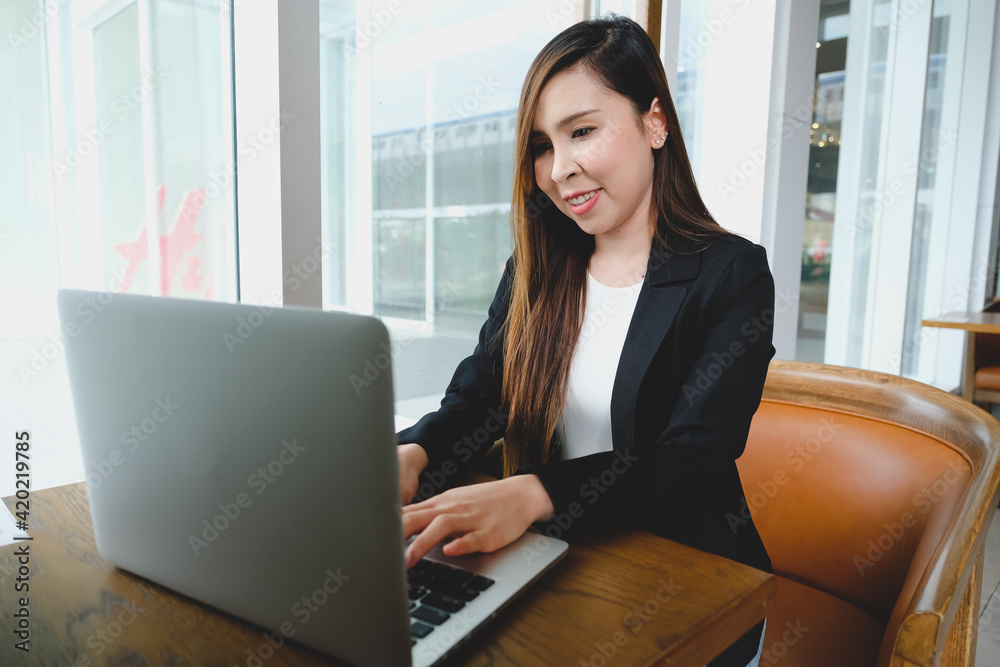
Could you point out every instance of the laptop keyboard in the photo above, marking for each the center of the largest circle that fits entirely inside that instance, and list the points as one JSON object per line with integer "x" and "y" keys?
{"x": 437, "y": 591}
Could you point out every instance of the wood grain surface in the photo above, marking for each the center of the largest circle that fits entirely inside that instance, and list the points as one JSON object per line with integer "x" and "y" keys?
{"x": 966, "y": 320}
{"x": 628, "y": 594}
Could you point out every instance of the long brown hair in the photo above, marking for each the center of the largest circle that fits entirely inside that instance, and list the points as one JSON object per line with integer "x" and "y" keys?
{"x": 551, "y": 252}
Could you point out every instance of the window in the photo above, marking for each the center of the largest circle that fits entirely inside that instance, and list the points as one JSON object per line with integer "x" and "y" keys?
{"x": 824, "y": 153}
{"x": 893, "y": 218}
{"x": 439, "y": 81}
{"x": 115, "y": 176}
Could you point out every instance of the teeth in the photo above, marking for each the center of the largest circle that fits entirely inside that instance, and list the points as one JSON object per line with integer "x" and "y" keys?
{"x": 576, "y": 201}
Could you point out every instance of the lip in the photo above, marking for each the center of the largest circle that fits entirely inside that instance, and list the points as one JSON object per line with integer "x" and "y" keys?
{"x": 585, "y": 206}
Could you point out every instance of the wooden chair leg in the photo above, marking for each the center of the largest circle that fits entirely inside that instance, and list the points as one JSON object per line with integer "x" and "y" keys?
{"x": 969, "y": 387}
{"x": 960, "y": 647}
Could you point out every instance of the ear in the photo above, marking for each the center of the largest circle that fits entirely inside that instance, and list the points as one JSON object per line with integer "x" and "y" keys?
{"x": 655, "y": 122}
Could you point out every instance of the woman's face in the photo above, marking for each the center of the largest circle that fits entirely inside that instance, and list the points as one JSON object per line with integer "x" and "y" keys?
{"x": 591, "y": 157}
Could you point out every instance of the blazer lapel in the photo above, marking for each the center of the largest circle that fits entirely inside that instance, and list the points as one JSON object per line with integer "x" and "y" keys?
{"x": 659, "y": 301}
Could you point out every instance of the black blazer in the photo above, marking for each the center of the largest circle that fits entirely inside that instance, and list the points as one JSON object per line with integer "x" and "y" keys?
{"x": 689, "y": 380}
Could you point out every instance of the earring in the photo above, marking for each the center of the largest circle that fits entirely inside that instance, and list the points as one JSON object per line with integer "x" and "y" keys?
{"x": 662, "y": 137}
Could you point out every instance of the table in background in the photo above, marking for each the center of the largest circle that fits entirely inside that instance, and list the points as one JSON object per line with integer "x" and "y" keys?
{"x": 685, "y": 606}
{"x": 971, "y": 322}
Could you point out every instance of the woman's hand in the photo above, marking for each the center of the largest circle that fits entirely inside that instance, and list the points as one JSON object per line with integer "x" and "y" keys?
{"x": 481, "y": 517}
{"x": 412, "y": 461}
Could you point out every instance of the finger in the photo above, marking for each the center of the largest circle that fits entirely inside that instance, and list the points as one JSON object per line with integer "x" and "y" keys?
{"x": 414, "y": 522}
{"x": 466, "y": 544}
{"x": 413, "y": 507}
{"x": 436, "y": 530}
{"x": 439, "y": 528}
{"x": 421, "y": 504}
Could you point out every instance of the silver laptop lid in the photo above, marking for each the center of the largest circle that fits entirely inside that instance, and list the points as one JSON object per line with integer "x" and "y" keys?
{"x": 245, "y": 456}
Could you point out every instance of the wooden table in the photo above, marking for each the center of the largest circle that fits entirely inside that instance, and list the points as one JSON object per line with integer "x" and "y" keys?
{"x": 972, "y": 322}
{"x": 635, "y": 595}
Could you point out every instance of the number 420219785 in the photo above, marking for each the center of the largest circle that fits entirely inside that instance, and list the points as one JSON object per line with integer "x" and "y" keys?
{"x": 22, "y": 476}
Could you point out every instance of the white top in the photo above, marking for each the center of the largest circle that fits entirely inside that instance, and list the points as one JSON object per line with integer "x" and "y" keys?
{"x": 585, "y": 425}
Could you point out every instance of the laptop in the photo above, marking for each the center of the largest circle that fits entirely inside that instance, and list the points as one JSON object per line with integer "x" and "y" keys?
{"x": 245, "y": 456}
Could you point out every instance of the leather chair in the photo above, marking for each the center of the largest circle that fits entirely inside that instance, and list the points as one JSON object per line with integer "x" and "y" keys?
{"x": 873, "y": 494}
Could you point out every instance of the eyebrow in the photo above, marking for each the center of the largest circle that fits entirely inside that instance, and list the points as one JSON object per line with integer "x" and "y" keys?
{"x": 566, "y": 121}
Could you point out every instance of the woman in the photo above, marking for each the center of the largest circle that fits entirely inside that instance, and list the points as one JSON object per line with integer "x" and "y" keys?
{"x": 625, "y": 351}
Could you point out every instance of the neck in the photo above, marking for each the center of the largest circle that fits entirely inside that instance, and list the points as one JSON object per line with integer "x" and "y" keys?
{"x": 620, "y": 257}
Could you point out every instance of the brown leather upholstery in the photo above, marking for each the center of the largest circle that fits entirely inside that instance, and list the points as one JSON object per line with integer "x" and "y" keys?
{"x": 806, "y": 627}
{"x": 988, "y": 377}
{"x": 887, "y": 482}
{"x": 851, "y": 509}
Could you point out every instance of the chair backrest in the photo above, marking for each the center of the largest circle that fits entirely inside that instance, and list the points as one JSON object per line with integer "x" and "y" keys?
{"x": 873, "y": 488}
{"x": 842, "y": 501}
{"x": 987, "y": 350}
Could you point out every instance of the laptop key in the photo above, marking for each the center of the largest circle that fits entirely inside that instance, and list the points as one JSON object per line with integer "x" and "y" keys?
{"x": 452, "y": 591}
{"x": 420, "y": 567}
{"x": 438, "y": 572}
{"x": 439, "y": 569}
{"x": 458, "y": 577}
{"x": 420, "y": 630}
{"x": 430, "y": 614}
{"x": 416, "y": 592}
{"x": 430, "y": 569}
{"x": 479, "y": 583}
{"x": 417, "y": 578}
{"x": 443, "y": 603}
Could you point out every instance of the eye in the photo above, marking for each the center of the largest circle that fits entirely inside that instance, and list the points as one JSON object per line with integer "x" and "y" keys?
{"x": 582, "y": 132}
{"x": 540, "y": 148}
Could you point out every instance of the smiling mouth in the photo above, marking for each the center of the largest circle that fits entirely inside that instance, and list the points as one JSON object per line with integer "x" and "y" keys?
{"x": 576, "y": 201}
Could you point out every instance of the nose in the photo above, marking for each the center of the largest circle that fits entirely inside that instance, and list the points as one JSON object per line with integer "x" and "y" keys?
{"x": 564, "y": 165}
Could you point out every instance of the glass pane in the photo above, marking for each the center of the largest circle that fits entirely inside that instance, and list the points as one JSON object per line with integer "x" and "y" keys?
{"x": 623, "y": 7}
{"x": 870, "y": 197}
{"x": 821, "y": 188}
{"x": 689, "y": 98}
{"x": 338, "y": 154}
{"x": 936, "y": 157}
{"x": 115, "y": 175}
{"x": 832, "y": 75}
{"x": 440, "y": 81}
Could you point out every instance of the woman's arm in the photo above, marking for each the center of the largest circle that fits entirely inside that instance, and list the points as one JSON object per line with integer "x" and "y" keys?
{"x": 412, "y": 461}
